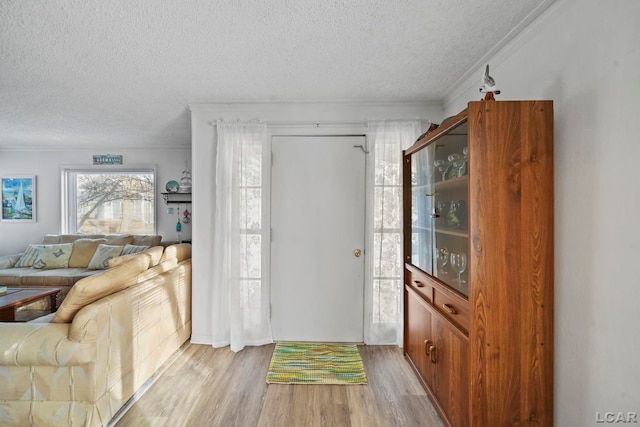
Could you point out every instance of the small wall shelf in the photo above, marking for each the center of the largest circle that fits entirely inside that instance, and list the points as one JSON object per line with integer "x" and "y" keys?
{"x": 176, "y": 198}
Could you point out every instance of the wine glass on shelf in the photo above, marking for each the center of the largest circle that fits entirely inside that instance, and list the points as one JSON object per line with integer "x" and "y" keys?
{"x": 443, "y": 259}
{"x": 456, "y": 161}
{"x": 459, "y": 264}
{"x": 457, "y": 215}
{"x": 443, "y": 210}
{"x": 442, "y": 166}
{"x": 464, "y": 169}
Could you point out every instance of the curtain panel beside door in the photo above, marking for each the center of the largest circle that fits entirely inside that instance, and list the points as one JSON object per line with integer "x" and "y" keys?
{"x": 240, "y": 285}
{"x": 383, "y": 291}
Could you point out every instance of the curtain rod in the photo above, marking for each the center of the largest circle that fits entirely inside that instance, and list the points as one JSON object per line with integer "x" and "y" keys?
{"x": 318, "y": 124}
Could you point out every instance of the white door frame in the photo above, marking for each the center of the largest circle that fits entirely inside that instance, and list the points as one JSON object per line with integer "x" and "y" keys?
{"x": 364, "y": 310}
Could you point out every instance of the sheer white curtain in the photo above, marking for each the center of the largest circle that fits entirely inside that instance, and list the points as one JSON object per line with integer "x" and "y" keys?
{"x": 240, "y": 305}
{"x": 383, "y": 278}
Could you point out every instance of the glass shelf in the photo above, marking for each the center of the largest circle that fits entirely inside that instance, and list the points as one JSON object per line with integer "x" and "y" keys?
{"x": 453, "y": 183}
{"x": 457, "y": 233}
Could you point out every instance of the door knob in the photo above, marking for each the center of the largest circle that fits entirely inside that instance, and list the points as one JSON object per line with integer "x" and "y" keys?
{"x": 357, "y": 253}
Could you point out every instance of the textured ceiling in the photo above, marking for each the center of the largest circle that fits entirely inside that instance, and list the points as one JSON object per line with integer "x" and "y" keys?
{"x": 122, "y": 73}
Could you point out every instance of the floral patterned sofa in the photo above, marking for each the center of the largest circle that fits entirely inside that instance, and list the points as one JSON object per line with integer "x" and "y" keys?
{"x": 80, "y": 365}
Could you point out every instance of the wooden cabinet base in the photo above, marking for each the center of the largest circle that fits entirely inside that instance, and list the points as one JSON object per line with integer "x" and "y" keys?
{"x": 438, "y": 352}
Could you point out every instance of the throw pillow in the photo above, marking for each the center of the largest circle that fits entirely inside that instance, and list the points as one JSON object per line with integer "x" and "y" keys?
{"x": 103, "y": 254}
{"x": 92, "y": 288}
{"x": 83, "y": 250}
{"x": 53, "y": 256}
{"x": 133, "y": 249}
{"x": 28, "y": 258}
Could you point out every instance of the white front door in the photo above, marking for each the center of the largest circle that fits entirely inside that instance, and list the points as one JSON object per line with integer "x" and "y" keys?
{"x": 317, "y": 220}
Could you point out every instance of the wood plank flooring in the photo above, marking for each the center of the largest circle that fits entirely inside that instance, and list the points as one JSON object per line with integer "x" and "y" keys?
{"x": 205, "y": 386}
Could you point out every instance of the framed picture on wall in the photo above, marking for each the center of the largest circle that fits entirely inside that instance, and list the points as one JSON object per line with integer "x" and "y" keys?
{"x": 19, "y": 198}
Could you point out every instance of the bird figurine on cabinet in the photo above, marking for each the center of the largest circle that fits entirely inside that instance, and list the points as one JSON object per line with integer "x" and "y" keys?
{"x": 489, "y": 85}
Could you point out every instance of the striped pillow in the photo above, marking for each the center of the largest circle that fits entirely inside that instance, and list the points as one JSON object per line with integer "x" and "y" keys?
{"x": 133, "y": 249}
{"x": 29, "y": 257}
{"x": 103, "y": 254}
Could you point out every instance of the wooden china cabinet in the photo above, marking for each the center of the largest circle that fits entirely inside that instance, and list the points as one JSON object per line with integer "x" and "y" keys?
{"x": 478, "y": 251}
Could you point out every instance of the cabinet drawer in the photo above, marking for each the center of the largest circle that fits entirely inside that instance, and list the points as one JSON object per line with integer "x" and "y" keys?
{"x": 453, "y": 307}
{"x": 419, "y": 284}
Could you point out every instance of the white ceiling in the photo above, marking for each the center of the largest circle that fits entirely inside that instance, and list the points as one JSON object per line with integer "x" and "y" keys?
{"x": 122, "y": 73}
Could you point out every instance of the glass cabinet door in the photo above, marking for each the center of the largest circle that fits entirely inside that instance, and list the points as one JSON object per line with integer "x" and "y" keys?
{"x": 439, "y": 209}
{"x": 421, "y": 209}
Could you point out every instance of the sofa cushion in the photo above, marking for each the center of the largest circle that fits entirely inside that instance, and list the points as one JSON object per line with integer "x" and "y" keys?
{"x": 51, "y": 239}
{"x": 103, "y": 254}
{"x": 83, "y": 250}
{"x": 29, "y": 257}
{"x": 180, "y": 251}
{"x": 9, "y": 261}
{"x": 154, "y": 254}
{"x": 92, "y": 288}
{"x": 27, "y": 276}
{"x": 70, "y": 238}
{"x": 53, "y": 277}
{"x": 62, "y": 278}
{"x": 133, "y": 249}
{"x": 146, "y": 240}
{"x": 42, "y": 319}
{"x": 11, "y": 276}
{"x": 53, "y": 256}
{"x": 119, "y": 239}
{"x": 156, "y": 270}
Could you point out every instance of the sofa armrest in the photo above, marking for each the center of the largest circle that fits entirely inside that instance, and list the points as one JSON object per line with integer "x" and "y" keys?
{"x": 42, "y": 344}
{"x": 8, "y": 261}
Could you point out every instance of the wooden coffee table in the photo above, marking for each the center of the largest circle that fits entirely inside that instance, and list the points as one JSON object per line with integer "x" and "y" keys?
{"x": 17, "y": 297}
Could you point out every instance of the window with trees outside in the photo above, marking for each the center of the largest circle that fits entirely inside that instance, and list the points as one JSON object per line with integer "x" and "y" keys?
{"x": 109, "y": 201}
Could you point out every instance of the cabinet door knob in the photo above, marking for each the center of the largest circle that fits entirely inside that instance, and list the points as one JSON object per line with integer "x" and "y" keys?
{"x": 432, "y": 354}
{"x": 419, "y": 284}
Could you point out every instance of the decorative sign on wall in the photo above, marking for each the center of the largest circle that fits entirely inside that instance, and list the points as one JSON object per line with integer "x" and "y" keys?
{"x": 107, "y": 159}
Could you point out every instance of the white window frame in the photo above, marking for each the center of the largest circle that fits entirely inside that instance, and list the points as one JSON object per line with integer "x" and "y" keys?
{"x": 68, "y": 190}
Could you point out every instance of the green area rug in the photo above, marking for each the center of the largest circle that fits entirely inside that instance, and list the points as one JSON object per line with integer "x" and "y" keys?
{"x": 316, "y": 363}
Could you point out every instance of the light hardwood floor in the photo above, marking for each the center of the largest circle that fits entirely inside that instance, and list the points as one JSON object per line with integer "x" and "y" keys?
{"x": 216, "y": 387}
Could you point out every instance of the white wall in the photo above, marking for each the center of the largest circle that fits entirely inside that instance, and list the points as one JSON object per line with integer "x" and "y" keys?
{"x": 282, "y": 119}
{"x": 45, "y": 164}
{"x": 585, "y": 56}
